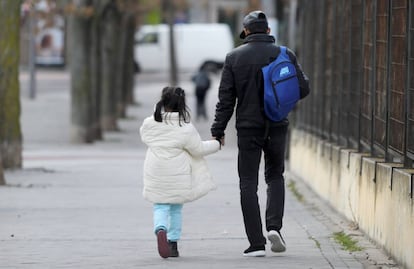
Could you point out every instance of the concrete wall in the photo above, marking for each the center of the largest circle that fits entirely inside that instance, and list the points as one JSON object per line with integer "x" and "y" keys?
{"x": 376, "y": 195}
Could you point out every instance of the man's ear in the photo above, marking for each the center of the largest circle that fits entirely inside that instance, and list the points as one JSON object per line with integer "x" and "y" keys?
{"x": 268, "y": 31}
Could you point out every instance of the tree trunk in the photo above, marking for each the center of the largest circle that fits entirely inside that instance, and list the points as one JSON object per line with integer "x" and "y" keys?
{"x": 96, "y": 69}
{"x": 110, "y": 52}
{"x": 129, "y": 60}
{"x": 119, "y": 79}
{"x": 81, "y": 85}
{"x": 2, "y": 180}
{"x": 125, "y": 72}
{"x": 10, "y": 132}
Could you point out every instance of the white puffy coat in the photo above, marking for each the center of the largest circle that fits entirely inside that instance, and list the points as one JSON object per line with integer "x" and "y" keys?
{"x": 174, "y": 168}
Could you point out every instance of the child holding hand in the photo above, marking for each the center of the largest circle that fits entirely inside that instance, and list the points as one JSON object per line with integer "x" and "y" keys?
{"x": 175, "y": 171}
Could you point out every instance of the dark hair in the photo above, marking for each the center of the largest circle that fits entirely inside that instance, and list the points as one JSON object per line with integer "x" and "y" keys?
{"x": 172, "y": 100}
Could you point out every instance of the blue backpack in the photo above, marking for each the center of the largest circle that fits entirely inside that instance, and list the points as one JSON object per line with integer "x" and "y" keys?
{"x": 281, "y": 87}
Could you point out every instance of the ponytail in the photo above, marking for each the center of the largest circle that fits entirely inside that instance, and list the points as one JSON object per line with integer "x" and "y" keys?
{"x": 157, "y": 112}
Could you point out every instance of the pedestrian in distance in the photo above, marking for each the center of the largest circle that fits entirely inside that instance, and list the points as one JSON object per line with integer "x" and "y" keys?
{"x": 242, "y": 84}
{"x": 202, "y": 84}
{"x": 175, "y": 171}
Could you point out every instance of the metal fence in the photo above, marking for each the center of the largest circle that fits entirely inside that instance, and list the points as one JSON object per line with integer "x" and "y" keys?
{"x": 359, "y": 57}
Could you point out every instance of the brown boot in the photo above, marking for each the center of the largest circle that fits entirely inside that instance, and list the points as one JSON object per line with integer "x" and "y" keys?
{"x": 163, "y": 247}
{"x": 173, "y": 249}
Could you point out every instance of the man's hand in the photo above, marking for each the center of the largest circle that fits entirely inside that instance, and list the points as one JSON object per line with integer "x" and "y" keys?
{"x": 221, "y": 140}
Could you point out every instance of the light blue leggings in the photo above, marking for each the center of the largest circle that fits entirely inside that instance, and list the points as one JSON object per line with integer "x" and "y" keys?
{"x": 168, "y": 217}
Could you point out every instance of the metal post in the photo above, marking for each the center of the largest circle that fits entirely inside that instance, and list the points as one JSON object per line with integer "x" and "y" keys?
{"x": 292, "y": 24}
{"x": 374, "y": 75}
{"x": 32, "y": 52}
{"x": 340, "y": 102}
{"x": 347, "y": 87}
{"x": 407, "y": 161}
{"x": 321, "y": 59}
{"x": 170, "y": 10}
{"x": 361, "y": 78}
{"x": 332, "y": 68}
{"x": 387, "y": 116}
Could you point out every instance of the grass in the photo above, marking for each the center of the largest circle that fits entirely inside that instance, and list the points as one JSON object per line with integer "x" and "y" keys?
{"x": 347, "y": 242}
{"x": 294, "y": 190}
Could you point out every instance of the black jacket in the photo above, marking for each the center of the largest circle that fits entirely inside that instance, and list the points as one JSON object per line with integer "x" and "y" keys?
{"x": 242, "y": 83}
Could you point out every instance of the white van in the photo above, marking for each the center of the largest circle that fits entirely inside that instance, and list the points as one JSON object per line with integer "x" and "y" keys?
{"x": 195, "y": 44}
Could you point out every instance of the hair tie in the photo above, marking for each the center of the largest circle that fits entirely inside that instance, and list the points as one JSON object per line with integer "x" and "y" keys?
{"x": 178, "y": 91}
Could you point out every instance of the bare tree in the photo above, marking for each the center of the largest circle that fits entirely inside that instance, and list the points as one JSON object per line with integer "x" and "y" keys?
{"x": 10, "y": 132}
{"x": 95, "y": 69}
{"x": 125, "y": 78}
{"x": 80, "y": 23}
{"x": 101, "y": 39}
{"x": 110, "y": 49}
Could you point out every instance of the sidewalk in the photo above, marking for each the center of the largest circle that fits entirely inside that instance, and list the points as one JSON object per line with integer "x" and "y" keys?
{"x": 80, "y": 206}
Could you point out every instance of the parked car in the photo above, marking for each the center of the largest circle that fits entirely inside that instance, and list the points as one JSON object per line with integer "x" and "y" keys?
{"x": 195, "y": 45}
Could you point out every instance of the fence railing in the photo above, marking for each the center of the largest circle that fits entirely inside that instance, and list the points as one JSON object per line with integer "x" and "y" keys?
{"x": 359, "y": 57}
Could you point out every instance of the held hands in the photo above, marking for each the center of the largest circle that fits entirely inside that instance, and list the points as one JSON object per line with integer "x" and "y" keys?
{"x": 220, "y": 140}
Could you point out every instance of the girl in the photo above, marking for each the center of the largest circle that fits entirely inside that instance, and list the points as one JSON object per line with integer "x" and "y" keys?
{"x": 175, "y": 171}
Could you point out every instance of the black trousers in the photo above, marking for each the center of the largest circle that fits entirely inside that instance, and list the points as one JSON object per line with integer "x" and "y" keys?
{"x": 273, "y": 146}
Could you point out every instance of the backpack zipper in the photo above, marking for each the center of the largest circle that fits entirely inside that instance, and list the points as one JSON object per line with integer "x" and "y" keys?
{"x": 275, "y": 94}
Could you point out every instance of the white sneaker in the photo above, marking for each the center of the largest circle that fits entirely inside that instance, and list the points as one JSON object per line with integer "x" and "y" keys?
{"x": 278, "y": 244}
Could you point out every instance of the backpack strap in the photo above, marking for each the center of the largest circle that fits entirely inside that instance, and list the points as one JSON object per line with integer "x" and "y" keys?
{"x": 283, "y": 52}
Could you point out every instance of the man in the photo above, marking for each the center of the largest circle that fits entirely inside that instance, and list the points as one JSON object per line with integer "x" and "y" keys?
{"x": 242, "y": 83}
{"x": 202, "y": 85}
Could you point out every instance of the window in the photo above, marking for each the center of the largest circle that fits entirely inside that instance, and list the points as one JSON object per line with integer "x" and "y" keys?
{"x": 148, "y": 38}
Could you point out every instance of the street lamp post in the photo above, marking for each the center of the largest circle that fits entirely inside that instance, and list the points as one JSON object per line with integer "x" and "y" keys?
{"x": 169, "y": 8}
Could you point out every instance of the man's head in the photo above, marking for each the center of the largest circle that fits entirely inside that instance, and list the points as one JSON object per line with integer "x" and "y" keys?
{"x": 254, "y": 22}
